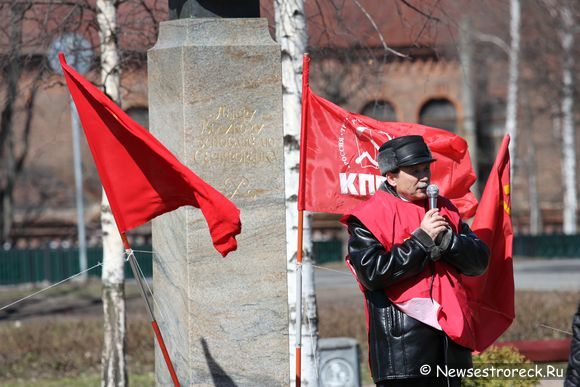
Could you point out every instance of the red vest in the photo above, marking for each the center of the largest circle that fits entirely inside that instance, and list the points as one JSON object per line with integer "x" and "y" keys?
{"x": 392, "y": 220}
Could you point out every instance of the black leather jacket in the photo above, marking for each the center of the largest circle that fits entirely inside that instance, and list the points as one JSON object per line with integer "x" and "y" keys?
{"x": 398, "y": 344}
{"x": 573, "y": 372}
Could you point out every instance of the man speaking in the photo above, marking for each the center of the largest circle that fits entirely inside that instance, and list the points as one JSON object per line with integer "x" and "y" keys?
{"x": 396, "y": 243}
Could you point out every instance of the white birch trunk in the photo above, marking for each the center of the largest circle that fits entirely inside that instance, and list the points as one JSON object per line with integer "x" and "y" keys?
{"x": 291, "y": 35}
{"x": 467, "y": 92}
{"x": 512, "y": 97}
{"x": 533, "y": 194}
{"x": 568, "y": 143}
{"x": 114, "y": 370}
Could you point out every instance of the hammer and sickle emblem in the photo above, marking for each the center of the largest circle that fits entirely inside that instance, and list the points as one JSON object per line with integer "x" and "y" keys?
{"x": 506, "y": 203}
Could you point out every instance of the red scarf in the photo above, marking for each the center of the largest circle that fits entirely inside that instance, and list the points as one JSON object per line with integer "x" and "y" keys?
{"x": 392, "y": 220}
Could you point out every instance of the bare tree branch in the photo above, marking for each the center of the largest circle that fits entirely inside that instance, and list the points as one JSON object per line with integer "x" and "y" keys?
{"x": 22, "y": 59}
{"x": 499, "y": 42}
{"x": 326, "y": 29}
{"x": 430, "y": 17}
{"x": 381, "y": 37}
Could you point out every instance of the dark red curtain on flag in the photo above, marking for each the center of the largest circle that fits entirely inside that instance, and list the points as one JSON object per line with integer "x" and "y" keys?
{"x": 491, "y": 295}
{"x": 338, "y": 160}
{"x": 141, "y": 177}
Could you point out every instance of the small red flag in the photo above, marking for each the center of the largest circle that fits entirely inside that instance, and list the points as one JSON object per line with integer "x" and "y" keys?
{"x": 491, "y": 295}
{"x": 142, "y": 178}
{"x": 338, "y": 160}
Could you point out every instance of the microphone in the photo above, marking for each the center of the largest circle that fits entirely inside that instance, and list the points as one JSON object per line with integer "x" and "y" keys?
{"x": 432, "y": 193}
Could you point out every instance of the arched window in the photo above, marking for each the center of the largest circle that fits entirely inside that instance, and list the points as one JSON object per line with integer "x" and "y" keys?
{"x": 139, "y": 114}
{"x": 439, "y": 113}
{"x": 380, "y": 110}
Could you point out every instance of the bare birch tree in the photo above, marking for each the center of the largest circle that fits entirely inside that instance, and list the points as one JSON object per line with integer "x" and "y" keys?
{"x": 513, "y": 79}
{"x": 23, "y": 70}
{"x": 568, "y": 130}
{"x": 563, "y": 15}
{"x": 467, "y": 92}
{"x": 291, "y": 34}
{"x": 114, "y": 371}
{"x": 533, "y": 194}
{"x": 14, "y": 134}
{"x": 46, "y": 20}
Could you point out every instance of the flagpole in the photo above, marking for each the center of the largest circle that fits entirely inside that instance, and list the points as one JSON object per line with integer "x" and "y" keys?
{"x": 301, "y": 177}
{"x": 299, "y": 299}
{"x": 160, "y": 341}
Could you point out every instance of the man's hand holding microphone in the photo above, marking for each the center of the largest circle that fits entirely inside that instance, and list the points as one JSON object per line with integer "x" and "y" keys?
{"x": 433, "y": 223}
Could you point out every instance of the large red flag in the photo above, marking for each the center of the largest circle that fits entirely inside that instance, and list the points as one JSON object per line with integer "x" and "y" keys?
{"x": 338, "y": 161}
{"x": 491, "y": 296}
{"x": 473, "y": 311}
{"x": 142, "y": 178}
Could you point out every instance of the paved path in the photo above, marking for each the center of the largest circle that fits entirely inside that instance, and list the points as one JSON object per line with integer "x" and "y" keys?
{"x": 551, "y": 383}
{"x": 530, "y": 274}
{"x": 552, "y": 274}
{"x": 547, "y": 274}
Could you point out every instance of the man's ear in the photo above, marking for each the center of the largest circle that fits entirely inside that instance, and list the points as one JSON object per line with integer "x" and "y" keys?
{"x": 392, "y": 178}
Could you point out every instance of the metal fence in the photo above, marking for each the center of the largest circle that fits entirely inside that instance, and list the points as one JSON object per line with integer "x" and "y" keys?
{"x": 533, "y": 246}
{"x": 328, "y": 251}
{"x": 547, "y": 246}
{"x": 19, "y": 266}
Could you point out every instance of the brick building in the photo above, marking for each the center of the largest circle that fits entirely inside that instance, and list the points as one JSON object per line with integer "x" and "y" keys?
{"x": 351, "y": 68}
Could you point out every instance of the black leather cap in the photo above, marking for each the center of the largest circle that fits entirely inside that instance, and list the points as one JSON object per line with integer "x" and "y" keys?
{"x": 403, "y": 152}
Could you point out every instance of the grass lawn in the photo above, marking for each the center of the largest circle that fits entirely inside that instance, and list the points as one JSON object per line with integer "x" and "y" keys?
{"x": 55, "y": 337}
{"x": 85, "y": 380}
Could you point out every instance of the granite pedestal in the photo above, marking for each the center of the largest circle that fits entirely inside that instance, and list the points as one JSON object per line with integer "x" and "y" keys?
{"x": 215, "y": 100}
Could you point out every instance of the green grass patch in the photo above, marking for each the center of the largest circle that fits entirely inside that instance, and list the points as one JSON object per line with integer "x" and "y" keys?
{"x": 65, "y": 348}
{"x": 87, "y": 380}
{"x": 62, "y": 349}
{"x": 90, "y": 290}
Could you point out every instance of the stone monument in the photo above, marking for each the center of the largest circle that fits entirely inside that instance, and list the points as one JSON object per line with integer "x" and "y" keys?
{"x": 215, "y": 100}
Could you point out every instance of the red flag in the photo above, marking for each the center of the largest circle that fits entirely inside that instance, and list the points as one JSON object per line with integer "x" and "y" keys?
{"x": 491, "y": 296}
{"x": 338, "y": 161}
{"x": 473, "y": 311}
{"x": 142, "y": 178}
